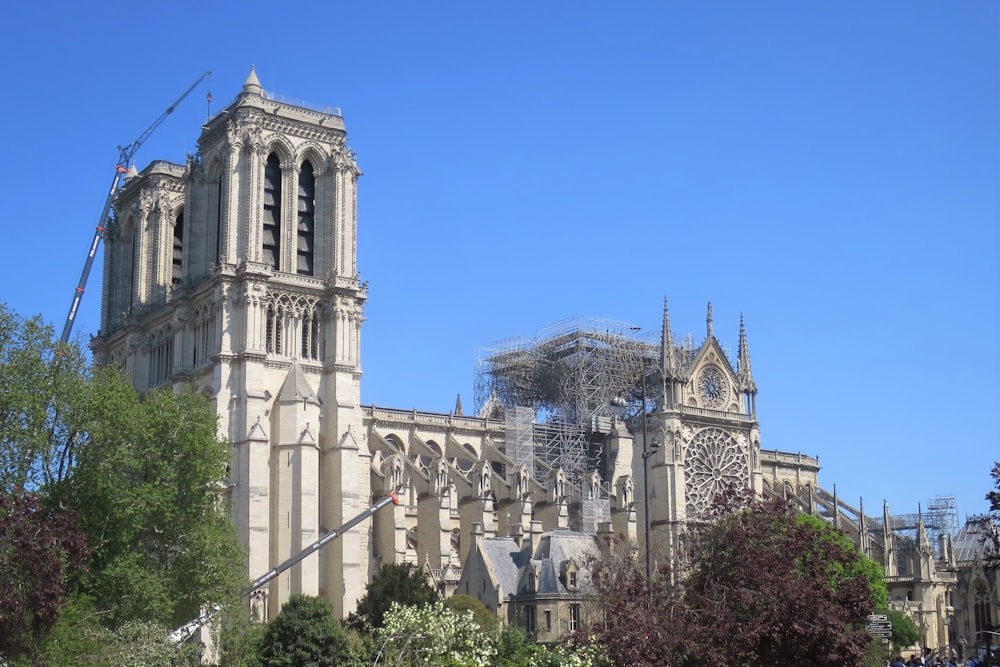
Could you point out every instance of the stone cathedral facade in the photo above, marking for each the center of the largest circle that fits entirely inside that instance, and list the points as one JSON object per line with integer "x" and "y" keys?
{"x": 236, "y": 274}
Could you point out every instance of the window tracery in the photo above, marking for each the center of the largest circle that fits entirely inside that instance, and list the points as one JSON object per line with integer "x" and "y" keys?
{"x": 714, "y": 460}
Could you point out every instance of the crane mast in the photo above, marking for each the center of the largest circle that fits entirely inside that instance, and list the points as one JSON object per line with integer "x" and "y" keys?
{"x": 125, "y": 156}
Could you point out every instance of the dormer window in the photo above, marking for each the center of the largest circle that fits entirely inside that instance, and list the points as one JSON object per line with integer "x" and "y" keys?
{"x": 572, "y": 576}
{"x": 531, "y": 582}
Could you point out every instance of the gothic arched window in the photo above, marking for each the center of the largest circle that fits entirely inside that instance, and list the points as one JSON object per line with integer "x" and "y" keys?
{"x": 272, "y": 336}
{"x": 306, "y": 219}
{"x": 271, "y": 238}
{"x": 215, "y": 252}
{"x": 177, "y": 264}
{"x": 133, "y": 264}
{"x": 981, "y": 610}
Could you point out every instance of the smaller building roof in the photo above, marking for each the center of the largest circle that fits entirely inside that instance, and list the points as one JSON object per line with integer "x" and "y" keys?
{"x": 973, "y": 541}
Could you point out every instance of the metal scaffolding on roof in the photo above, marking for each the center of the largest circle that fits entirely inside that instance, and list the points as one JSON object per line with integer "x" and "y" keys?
{"x": 567, "y": 374}
{"x": 570, "y": 371}
{"x": 940, "y": 518}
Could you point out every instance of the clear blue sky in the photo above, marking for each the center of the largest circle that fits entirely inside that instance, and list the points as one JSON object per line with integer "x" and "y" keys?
{"x": 830, "y": 170}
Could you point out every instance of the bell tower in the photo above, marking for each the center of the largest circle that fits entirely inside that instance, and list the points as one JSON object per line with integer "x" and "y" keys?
{"x": 237, "y": 273}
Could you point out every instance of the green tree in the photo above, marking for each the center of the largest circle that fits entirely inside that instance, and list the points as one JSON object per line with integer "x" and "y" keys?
{"x": 305, "y": 634}
{"x": 402, "y": 584}
{"x": 904, "y": 631}
{"x": 148, "y": 490}
{"x": 42, "y": 388}
{"x": 481, "y": 614}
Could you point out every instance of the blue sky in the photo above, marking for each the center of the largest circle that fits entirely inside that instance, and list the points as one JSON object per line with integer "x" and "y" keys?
{"x": 829, "y": 170}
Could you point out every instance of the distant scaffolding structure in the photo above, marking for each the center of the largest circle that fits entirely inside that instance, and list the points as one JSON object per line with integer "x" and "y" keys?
{"x": 520, "y": 446}
{"x": 940, "y": 518}
{"x": 567, "y": 374}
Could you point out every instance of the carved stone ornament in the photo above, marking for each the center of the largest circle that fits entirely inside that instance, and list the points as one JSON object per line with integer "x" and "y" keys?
{"x": 714, "y": 460}
{"x": 713, "y": 387}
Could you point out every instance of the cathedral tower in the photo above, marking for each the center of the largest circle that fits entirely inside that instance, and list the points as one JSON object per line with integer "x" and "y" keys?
{"x": 704, "y": 434}
{"x": 237, "y": 273}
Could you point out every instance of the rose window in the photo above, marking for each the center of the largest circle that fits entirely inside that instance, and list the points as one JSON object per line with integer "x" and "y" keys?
{"x": 714, "y": 460}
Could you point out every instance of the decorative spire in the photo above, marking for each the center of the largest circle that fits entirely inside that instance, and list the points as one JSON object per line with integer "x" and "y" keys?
{"x": 668, "y": 361}
{"x": 744, "y": 375}
{"x": 458, "y": 406}
{"x": 252, "y": 84}
{"x": 708, "y": 322}
{"x": 923, "y": 540}
{"x": 836, "y": 508}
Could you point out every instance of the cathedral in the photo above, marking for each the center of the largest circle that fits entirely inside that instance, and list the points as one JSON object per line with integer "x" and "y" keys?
{"x": 236, "y": 274}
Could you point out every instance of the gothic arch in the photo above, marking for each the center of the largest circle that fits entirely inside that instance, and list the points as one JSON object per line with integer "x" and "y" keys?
{"x": 280, "y": 146}
{"x": 396, "y": 442}
{"x": 314, "y": 155}
{"x": 464, "y": 463}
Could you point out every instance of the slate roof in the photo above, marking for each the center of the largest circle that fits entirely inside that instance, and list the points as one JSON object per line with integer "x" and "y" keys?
{"x": 971, "y": 543}
{"x": 296, "y": 387}
{"x": 554, "y": 551}
{"x": 505, "y": 558}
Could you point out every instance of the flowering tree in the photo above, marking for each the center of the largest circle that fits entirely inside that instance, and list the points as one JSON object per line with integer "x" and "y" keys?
{"x": 434, "y": 635}
{"x": 421, "y": 636}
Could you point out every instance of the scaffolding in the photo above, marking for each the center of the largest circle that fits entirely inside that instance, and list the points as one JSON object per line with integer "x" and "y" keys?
{"x": 940, "y": 518}
{"x": 567, "y": 376}
{"x": 570, "y": 371}
{"x": 518, "y": 430}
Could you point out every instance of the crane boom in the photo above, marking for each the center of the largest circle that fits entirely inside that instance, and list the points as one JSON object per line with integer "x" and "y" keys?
{"x": 185, "y": 631}
{"x": 125, "y": 156}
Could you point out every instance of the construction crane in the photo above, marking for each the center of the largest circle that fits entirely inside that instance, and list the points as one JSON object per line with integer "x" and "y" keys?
{"x": 185, "y": 632}
{"x": 121, "y": 168}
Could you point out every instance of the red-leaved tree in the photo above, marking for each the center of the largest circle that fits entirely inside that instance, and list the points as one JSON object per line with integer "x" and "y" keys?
{"x": 39, "y": 549}
{"x": 765, "y": 586}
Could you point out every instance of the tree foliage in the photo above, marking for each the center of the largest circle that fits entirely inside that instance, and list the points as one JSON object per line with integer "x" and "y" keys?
{"x": 42, "y": 389}
{"x": 148, "y": 490}
{"x": 39, "y": 548}
{"x": 435, "y": 635}
{"x": 904, "y": 631}
{"x": 143, "y": 478}
{"x": 994, "y": 495}
{"x": 766, "y": 587}
{"x": 432, "y": 634}
{"x": 481, "y": 614}
{"x": 399, "y": 583}
{"x": 305, "y": 634}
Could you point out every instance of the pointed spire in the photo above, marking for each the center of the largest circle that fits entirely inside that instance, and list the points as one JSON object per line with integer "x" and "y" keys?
{"x": 458, "y": 406}
{"x": 923, "y": 540}
{"x": 744, "y": 374}
{"x": 836, "y": 508}
{"x": 252, "y": 84}
{"x": 708, "y": 322}
{"x": 889, "y": 548}
{"x": 862, "y": 528}
{"x": 668, "y": 361}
